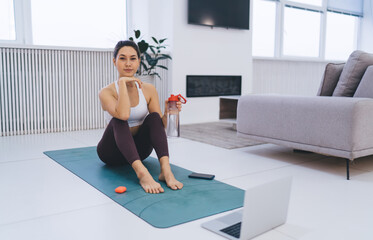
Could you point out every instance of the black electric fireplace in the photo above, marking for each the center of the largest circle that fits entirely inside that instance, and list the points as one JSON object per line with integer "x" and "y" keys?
{"x": 207, "y": 86}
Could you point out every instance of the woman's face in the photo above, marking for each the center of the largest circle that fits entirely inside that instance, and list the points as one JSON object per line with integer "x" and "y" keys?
{"x": 127, "y": 62}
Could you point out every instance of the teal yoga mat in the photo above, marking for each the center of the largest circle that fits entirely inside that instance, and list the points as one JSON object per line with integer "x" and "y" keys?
{"x": 198, "y": 198}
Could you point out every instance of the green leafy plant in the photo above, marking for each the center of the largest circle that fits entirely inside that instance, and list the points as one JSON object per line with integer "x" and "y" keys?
{"x": 150, "y": 54}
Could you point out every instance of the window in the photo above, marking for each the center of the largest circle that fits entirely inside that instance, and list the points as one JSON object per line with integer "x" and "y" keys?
{"x": 68, "y": 23}
{"x": 264, "y": 32}
{"x": 323, "y": 29}
{"x": 340, "y": 35}
{"x": 84, "y": 23}
{"x": 7, "y": 26}
{"x": 301, "y": 39}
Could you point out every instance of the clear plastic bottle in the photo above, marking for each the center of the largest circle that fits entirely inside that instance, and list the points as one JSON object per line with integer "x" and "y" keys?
{"x": 173, "y": 118}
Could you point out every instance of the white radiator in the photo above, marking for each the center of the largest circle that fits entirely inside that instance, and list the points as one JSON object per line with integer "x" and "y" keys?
{"x": 49, "y": 90}
{"x": 287, "y": 77}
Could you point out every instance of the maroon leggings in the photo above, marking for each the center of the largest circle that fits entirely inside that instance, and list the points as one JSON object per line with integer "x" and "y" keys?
{"x": 117, "y": 146}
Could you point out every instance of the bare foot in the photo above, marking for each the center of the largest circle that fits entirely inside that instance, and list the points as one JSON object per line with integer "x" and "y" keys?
{"x": 149, "y": 184}
{"x": 146, "y": 180}
{"x": 170, "y": 180}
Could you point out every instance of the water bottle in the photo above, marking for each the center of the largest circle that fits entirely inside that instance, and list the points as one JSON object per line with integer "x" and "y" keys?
{"x": 173, "y": 123}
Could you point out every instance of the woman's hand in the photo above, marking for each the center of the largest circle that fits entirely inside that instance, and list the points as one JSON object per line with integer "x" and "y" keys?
{"x": 130, "y": 79}
{"x": 178, "y": 105}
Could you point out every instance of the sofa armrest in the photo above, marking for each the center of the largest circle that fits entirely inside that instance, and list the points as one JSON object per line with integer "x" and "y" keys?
{"x": 334, "y": 122}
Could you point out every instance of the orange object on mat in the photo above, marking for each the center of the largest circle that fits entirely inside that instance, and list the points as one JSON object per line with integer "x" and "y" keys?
{"x": 120, "y": 189}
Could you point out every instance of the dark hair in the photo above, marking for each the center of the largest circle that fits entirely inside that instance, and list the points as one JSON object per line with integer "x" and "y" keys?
{"x": 126, "y": 43}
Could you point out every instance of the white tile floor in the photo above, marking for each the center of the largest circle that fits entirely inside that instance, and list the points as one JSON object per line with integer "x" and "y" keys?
{"x": 39, "y": 199}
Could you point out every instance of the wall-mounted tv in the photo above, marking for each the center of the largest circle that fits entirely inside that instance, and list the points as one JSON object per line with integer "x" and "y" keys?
{"x": 219, "y": 13}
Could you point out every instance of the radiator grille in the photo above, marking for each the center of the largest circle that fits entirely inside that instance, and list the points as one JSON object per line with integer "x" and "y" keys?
{"x": 287, "y": 77}
{"x": 49, "y": 90}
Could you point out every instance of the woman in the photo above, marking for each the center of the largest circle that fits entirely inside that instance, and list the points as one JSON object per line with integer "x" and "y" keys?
{"x": 135, "y": 122}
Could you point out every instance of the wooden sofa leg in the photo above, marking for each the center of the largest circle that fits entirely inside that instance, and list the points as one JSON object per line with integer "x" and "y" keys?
{"x": 348, "y": 168}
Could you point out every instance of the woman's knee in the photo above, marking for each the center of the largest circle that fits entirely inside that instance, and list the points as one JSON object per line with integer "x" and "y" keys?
{"x": 116, "y": 121}
{"x": 118, "y": 124}
{"x": 154, "y": 115}
{"x": 153, "y": 118}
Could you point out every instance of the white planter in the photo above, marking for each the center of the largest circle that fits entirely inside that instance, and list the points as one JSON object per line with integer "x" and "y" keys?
{"x": 147, "y": 78}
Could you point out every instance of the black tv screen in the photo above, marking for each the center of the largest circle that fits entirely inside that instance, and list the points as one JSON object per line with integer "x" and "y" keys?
{"x": 219, "y": 13}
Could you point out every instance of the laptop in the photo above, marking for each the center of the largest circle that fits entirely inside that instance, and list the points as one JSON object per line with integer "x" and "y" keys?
{"x": 265, "y": 208}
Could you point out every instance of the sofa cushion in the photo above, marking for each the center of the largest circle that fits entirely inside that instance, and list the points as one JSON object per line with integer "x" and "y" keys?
{"x": 365, "y": 88}
{"x": 352, "y": 73}
{"x": 330, "y": 79}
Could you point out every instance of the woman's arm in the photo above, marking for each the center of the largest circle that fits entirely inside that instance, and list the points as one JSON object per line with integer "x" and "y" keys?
{"x": 119, "y": 108}
{"x": 153, "y": 99}
{"x": 153, "y": 105}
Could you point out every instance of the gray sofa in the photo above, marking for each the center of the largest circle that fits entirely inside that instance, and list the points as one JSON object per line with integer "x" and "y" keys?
{"x": 337, "y": 122}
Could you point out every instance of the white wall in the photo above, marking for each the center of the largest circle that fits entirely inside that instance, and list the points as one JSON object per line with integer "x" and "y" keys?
{"x": 196, "y": 50}
{"x": 366, "y": 37}
{"x": 200, "y": 50}
{"x": 153, "y": 17}
{"x": 137, "y": 16}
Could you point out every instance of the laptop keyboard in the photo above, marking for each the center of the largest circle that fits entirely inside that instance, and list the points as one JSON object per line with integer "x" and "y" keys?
{"x": 233, "y": 230}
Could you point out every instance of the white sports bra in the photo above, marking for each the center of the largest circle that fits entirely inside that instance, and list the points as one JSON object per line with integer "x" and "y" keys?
{"x": 137, "y": 113}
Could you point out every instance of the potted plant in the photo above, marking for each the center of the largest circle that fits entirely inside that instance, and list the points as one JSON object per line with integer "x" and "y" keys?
{"x": 150, "y": 55}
